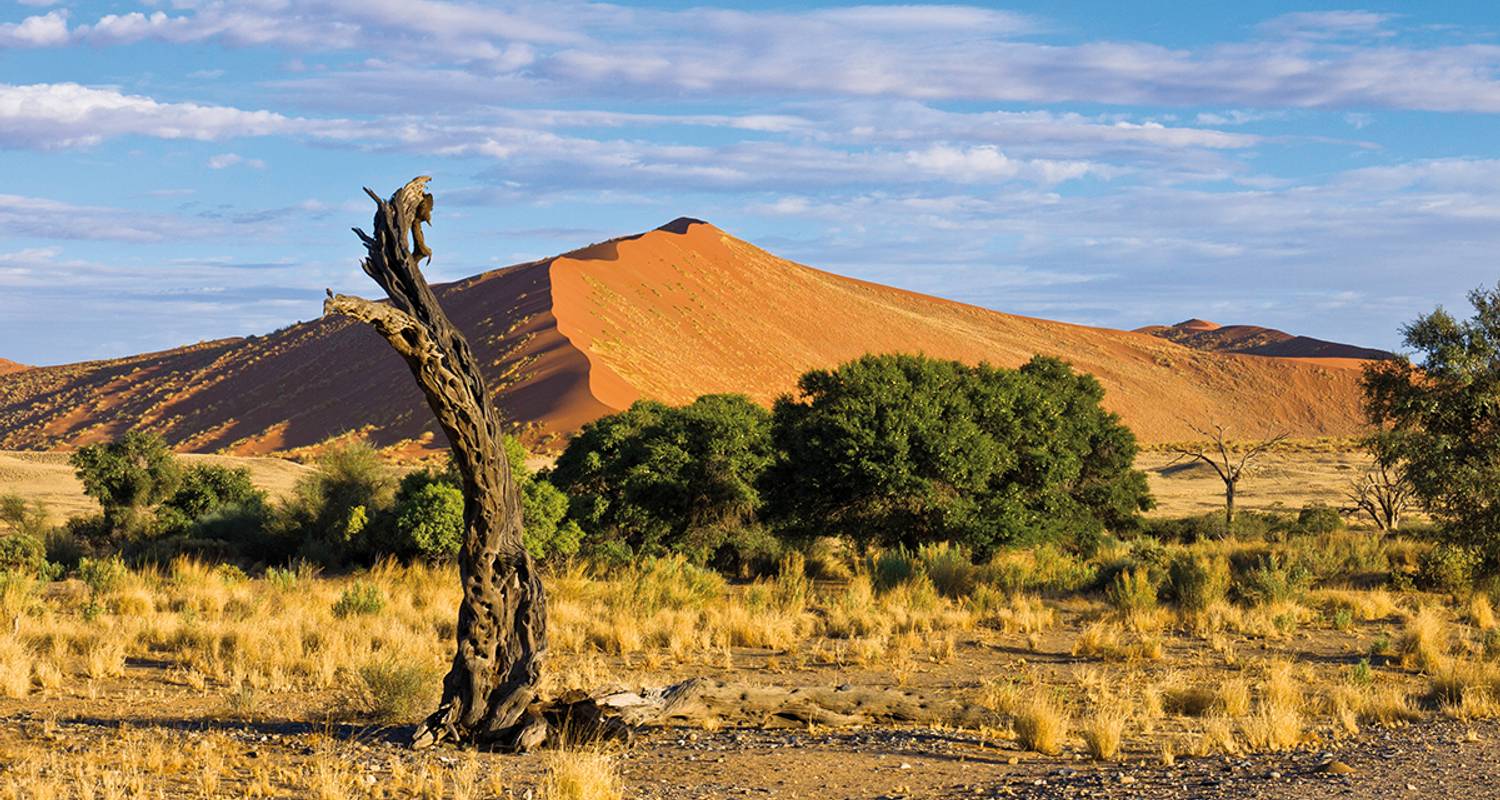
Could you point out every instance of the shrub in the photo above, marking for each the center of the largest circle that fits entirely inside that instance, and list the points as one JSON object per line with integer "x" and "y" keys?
{"x": 891, "y": 568}
{"x": 1198, "y": 581}
{"x": 331, "y": 508}
{"x": 951, "y": 569}
{"x": 429, "y": 522}
{"x": 102, "y": 575}
{"x": 22, "y": 517}
{"x": 395, "y": 691}
{"x": 22, "y": 553}
{"x": 1449, "y": 568}
{"x": 1318, "y": 518}
{"x": 1133, "y": 592}
{"x": 360, "y": 598}
{"x": 203, "y": 490}
{"x": 1273, "y": 581}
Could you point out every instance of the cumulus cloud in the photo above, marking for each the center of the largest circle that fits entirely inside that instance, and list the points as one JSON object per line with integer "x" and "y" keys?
{"x": 46, "y": 30}
{"x": 58, "y": 115}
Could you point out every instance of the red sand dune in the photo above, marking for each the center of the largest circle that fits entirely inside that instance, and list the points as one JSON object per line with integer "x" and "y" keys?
{"x": 670, "y": 314}
{"x": 10, "y": 366}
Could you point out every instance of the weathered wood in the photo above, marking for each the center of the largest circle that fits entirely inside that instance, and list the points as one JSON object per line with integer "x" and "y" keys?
{"x": 490, "y": 688}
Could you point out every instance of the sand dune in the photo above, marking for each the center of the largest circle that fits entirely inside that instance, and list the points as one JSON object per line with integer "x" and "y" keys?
{"x": 10, "y": 366}
{"x": 670, "y": 314}
{"x": 1260, "y": 341}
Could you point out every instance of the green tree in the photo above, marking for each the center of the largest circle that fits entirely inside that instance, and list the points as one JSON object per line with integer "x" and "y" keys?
{"x": 127, "y": 476}
{"x": 1443, "y": 418}
{"x": 656, "y": 478}
{"x": 428, "y": 522}
{"x": 204, "y": 490}
{"x": 330, "y": 509}
{"x": 901, "y": 449}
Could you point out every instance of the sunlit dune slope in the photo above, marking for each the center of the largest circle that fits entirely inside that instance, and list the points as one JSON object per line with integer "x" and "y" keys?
{"x": 677, "y": 312}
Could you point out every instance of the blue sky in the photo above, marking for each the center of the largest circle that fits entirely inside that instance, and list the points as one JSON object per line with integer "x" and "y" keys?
{"x": 179, "y": 171}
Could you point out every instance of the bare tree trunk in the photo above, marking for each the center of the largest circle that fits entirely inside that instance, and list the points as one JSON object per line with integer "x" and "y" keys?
{"x": 489, "y": 690}
{"x": 1229, "y": 508}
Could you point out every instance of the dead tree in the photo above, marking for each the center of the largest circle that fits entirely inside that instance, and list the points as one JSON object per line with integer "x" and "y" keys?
{"x": 1219, "y": 453}
{"x": 1383, "y": 493}
{"x": 489, "y": 691}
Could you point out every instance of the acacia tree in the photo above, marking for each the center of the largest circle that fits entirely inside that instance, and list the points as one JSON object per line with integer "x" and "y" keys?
{"x": 1218, "y": 452}
{"x": 1442, "y": 417}
{"x": 491, "y": 684}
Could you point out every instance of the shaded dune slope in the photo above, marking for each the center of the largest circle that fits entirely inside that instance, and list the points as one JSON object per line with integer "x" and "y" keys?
{"x": 1257, "y": 340}
{"x": 670, "y": 314}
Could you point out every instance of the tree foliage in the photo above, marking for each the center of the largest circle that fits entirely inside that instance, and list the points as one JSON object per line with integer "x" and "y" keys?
{"x": 1443, "y": 417}
{"x": 126, "y": 476}
{"x": 902, "y": 449}
{"x": 656, "y": 478}
{"x": 205, "y": 490}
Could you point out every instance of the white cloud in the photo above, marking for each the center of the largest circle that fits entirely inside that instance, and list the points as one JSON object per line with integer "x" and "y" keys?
{"x": 225, "y": 160}
{"x": 46, "y": 30}
{"x": 58, "y": 115}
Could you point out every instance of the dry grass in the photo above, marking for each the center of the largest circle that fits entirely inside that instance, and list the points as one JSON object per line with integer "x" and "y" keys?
{"x": 1103, "y": 730}
{"x": 1041, "y": 724}
{"x": 581, "y": 775}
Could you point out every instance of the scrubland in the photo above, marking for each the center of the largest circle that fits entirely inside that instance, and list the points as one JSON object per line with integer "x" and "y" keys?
{"x": 199, "y": 680}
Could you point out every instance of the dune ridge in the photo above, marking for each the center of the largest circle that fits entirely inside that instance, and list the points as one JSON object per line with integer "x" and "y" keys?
{"x": 669, "y": 314}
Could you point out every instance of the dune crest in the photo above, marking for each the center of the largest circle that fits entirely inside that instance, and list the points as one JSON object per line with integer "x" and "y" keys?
{"x": 669, "y": 314}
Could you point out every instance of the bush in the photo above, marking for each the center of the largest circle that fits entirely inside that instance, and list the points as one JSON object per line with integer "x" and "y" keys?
{"x": 102, "y": 575}
{"x": 1318, "y": 518}
{"x": 951, "y": 569}
{"x": 361, "y": 599}
{"x": 429, "y": 522}
{"x": 1449, "y": 568}
{"x": 1133, "y": 592}
{"x": 1198, "y": 581}
{"x": 1274, "y": 581}
{"x": 906, "y": 450}
{"x": 24, "y": 554}
{"x": 205, "y": 490}
{"x": 24, "y": 518}
{"x": 1042, "y": 568}
{"x": 395, "y": 691}
{"x": 330, "y": 509}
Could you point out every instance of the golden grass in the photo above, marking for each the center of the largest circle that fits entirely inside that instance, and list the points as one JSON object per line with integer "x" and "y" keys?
{"x": 581, "y": 775}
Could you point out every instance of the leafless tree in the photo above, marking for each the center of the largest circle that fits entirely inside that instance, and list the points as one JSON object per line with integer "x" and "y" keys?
{"x": 1383, "y": 493}
{"x": 1227, "y": 459}
{"x": 488, "y": 693}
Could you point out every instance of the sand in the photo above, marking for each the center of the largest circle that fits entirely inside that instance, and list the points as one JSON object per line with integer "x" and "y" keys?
{"x": 670, "y": 314}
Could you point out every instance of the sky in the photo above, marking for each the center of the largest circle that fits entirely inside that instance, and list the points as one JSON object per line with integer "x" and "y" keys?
{"x": 183, "y": 171}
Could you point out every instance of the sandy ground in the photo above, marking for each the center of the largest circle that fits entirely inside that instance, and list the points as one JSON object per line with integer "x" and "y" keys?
{"x": 1282, "y": 480}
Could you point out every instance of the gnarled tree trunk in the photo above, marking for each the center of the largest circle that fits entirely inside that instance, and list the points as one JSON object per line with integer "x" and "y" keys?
{"x": 488, "y": 692}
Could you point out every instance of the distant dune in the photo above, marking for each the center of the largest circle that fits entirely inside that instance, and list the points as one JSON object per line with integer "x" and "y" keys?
{"x": 10, "y": 366}
{"x": 1258, "y": 341}
{"x": 670, "y": 314}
